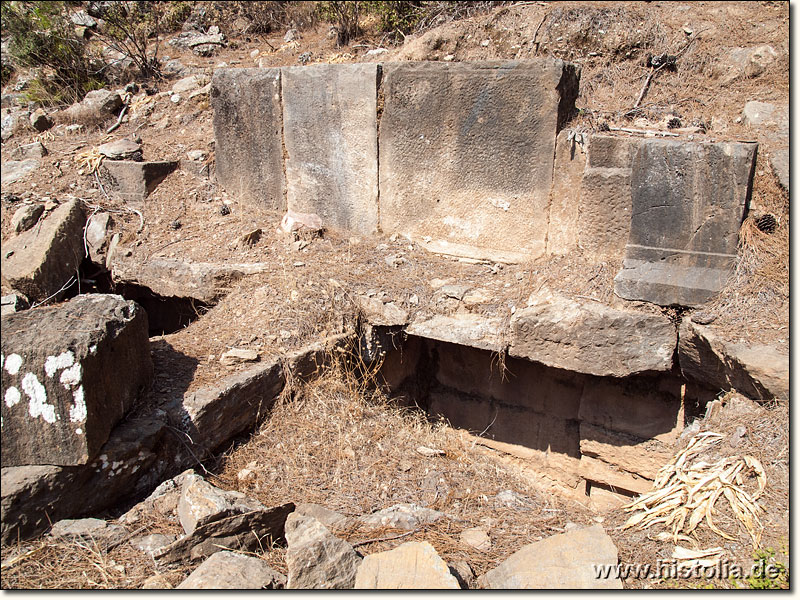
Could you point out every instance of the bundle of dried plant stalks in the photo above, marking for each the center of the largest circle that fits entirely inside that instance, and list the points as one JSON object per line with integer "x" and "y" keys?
{"x": 686, "y": 490}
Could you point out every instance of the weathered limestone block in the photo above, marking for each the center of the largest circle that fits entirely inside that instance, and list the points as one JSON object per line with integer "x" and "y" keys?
{"x": 402, "y": 516}
{"x": 570, "y": 162}
{"x": 604, "y": 221}
{"x": 14, "y": 170}
{"x": 212, "y": 415}
{"x": 590, "y": 337}
{"x": 463, "y": 328}
{"x": 757, "y": 371}
{"x": 206, "y": 282}
{"x": 201, "y": 503}
{"x": 315, "y": 558}
{"x": 612, "y": 476}
{"x": 563, "y": 561}
{"x": 133, "y": 181}
{"x": 248, "y": 124}
{"x": 27, "y": 151}
{"x": 331, "y": 136}
{"x": 689, "y": 200}
{"x": 232, "y": 571}
{"x": 467, "y": 150}
{"x": 40, "y": 261}
{"x": 61, "y": 377}
{"x": 410, "y": 566}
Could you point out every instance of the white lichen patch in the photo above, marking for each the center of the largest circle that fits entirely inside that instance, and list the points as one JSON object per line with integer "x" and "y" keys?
{"x": 12, "y": 396}
{"x": 93, "y": 349}
{"x": 62, "y": 361}
{"x": 38, "y": 406}
{"x": 13, "y": 364}
{"x": 72, "y": 376}
{"x": 79, "y": 431}
{"x": 77, "y": 412}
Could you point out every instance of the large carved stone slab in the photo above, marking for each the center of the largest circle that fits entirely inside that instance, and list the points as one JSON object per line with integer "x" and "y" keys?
{"x": 688, "y": 201}
{"x": 248, "y": 124}
{"x": 331, "y": 136}
{"x": 70, "y": 373}
{"x": 590, "y": 337}
{"x": 467, "y": 152}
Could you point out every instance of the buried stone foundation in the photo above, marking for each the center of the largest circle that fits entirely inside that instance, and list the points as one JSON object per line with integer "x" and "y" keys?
{"x": 605, "y": 437}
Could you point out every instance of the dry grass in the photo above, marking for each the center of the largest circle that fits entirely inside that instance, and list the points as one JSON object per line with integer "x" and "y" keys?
{"x": 766, "y": 439}
{"x": 345, "y": 446}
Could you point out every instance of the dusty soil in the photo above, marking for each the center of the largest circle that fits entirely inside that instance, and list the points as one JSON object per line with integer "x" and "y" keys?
{"x": 308, "y": 294}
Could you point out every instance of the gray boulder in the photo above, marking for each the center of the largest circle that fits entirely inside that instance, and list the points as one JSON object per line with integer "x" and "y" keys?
{"x": 26, "y": 151}
{"x": 232, "y": 571}
{"x": 315, "y": 558}
{"x": 26, "y": 216}
{"x": 564, "y": 561}
{"x": 133, "y": 180}
{"x": 411, "y": 566}
{"x": 402, "y": 516}
{"x": 200, "y": 503}
{"x": 60, "y": 381}
{"x": 14, "y": 170}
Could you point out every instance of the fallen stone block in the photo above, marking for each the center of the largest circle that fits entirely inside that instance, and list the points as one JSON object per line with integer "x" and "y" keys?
{"x": 402, "y": 516}
{"x": 232, "y": 571}
{"x": 410, "y": 566}
{"x": 40, "y": 121}
{"x": 150, "y": 544}
{"x": 315, "y": 558}
{"x": 685, "y": 220}
{"x": 246, "y": 532}
{"x": 213, "y": 415}
{"x": 590, "y": 337}
{"x": 564, "y": 561}
{"x": 330, "y": 130}
{"x": 758, "y": 371}
{"x": 201, "y": 503}
{"x": 97, "y": 237}
{"x": 97, "y": 105}
{"x": 61, "y": 385}
{"x": 327, "y": 517}
{"x": 41, "y": 261}
{"x": 14, "y": 170}
{"x": 94, "y": 531}
{"x": 248, "y": 129}
{"x": 28, "y": 151}
{"x": 206, "y": 282}
{"x": 133, "y": 181}
{"x": 467, "y": 151}
{"x": 123, "y": 149}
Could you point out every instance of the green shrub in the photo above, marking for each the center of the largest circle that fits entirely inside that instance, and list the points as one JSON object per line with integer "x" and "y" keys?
{"x": 41, "y": 36}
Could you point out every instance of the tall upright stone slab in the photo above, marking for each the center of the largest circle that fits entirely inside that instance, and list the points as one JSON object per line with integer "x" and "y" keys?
{"x": 69, "y": 374}
{"x": 467, "y": 152}
{"x": 247, "y": 128}
{"x": 331, "y": 136}
{"x": 688, "y": 201}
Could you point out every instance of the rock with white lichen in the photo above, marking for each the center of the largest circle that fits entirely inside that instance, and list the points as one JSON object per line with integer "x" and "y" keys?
{"x": 69, "y": 374}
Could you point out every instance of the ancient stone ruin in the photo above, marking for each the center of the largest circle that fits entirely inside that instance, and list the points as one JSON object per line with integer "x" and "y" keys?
{"x": 469, "y": 160}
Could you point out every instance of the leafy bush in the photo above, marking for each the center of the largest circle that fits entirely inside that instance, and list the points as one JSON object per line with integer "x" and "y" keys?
{"x": 42, "y": 36}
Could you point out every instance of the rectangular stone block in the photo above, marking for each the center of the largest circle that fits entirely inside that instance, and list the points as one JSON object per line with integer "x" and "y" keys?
{"x": 570, "y": 162}
{"x": 688, "y": 201}
{"x": 248, "y": 124}
{"x": 604, "y": 220}
{"x": 70, "y": 373}
{"x": 331, "y": 136}
{"x": 133, "y": 181}
{"x": 467, "y": 151}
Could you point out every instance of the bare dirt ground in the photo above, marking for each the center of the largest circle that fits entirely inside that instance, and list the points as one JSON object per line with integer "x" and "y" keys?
{"x": 308, "y": 295}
